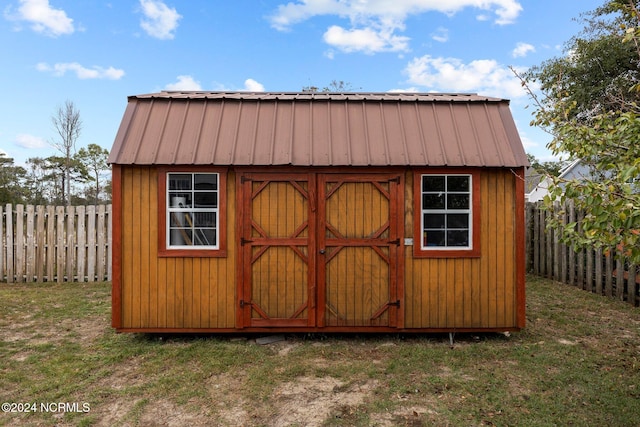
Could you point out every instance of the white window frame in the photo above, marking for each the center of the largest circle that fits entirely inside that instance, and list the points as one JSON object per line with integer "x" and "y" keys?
{"x": 188, "y": 212}
{"x": 447, "y": 211}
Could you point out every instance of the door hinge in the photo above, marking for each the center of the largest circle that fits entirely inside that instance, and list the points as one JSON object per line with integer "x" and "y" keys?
{"x": 243, "y": 303}
{"x": 244, "y": 179}
{"x": 395, "y": 303}
{"x": 394, "y": 242}
{"x": 244, "y": 241}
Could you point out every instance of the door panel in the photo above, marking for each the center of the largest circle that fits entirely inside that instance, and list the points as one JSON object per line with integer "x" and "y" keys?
{"x": 275, "y": 242}
{"x": 358, "y": 241}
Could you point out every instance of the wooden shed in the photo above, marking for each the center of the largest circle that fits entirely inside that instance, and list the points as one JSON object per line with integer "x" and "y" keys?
{"x": 317, "y": 212}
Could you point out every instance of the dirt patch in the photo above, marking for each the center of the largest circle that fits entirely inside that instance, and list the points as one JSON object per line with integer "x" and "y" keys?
{"x": 167, "y": 414}
{"x": 309, "y": 401}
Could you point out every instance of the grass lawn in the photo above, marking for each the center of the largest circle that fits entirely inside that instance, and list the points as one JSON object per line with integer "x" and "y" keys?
{"x": 576, "y": 363}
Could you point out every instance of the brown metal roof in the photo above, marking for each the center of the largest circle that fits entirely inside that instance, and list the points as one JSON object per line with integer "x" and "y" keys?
{"x": 317, "y": 129}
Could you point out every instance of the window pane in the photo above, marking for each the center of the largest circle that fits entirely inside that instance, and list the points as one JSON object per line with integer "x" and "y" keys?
{"x": 177, "y": 219}
{"x": 206, "y": 199}
{"x": 204, "y": 236}
{"x": 206, "y": 181}
{"x": 434, "y": 220}
{"x": 458, "y": 221}
{"x": 181, "y": 237}
{"x": 457, "y": 238}
{"x": 434, "y": 238}
{"x": 458, "y": 183}
{"x": 180, "y": 200}
{"x": 204, "y": 219}
{"x": 179, "y": 181}
{"x": 433, "y": 201}
{"x": 457, "y": 201}
{"x": 433, "y": 183}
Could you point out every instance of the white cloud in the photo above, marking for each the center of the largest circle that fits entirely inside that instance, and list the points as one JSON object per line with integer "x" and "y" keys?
{"x": 29, "y": 141}
{"x": 374, "y": 23}
{"x": 184, "y": 83}
{"x": 42, "y": 17}
{"x": 160, "y": 21}
{"x": 286, "y": 15}
{"x": 484, "y": 76}
{"x": 251, "y": 85}
{"x": 367, "y": 40}
{"x": 82, "y": 72}
{"x": 441, "y": 35}
{"x": 522, "y": 49}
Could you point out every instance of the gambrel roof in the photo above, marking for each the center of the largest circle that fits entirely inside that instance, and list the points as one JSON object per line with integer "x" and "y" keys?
{"x": 317, "y": 129}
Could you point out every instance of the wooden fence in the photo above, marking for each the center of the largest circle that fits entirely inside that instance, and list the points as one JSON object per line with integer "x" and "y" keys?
{"x": 55, "y": 243}
{"x": 593, "y": 270}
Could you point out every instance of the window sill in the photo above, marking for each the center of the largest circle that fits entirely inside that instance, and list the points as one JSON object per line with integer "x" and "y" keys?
{"x": 192, "y": 253}
{"x": 446, "y": 253}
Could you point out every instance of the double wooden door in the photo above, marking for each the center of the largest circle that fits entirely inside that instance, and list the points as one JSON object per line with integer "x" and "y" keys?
{"x": 319, "y": 250}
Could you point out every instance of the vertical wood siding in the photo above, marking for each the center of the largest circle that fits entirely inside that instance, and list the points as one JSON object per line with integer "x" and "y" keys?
{"x": 168, "y": 292}
{"x": 469, "y": 292}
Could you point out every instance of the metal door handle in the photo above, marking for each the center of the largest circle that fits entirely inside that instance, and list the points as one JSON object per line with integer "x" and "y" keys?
{"x": 322, "y": 251}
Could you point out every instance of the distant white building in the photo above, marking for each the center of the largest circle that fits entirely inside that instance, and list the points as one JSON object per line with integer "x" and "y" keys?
{"x": 574, "y": 170}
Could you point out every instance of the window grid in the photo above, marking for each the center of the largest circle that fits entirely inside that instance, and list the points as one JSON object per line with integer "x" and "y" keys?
{"x": 192, "y": 207}
{"x": 446, "y": 214}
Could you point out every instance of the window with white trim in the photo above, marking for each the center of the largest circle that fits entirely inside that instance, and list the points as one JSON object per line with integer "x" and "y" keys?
{"x": 446, "y": 211}
{"x": 193, "y": 201}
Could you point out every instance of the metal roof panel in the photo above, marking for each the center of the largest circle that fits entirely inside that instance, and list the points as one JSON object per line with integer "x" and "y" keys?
{"x": 317, "y": 129}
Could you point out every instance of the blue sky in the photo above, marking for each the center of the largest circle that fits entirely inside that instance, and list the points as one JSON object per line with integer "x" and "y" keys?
{"x": 96, "y": 53}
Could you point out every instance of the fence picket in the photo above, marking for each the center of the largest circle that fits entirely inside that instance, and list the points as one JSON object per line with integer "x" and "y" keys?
{"x": 632, "y": 284}
{"x": 101, "y": 243}
{"x": 19, "y": 243}
{"x": 41, "y": 237}
{"x": 91, "y": 243}
{"x": 9, "y": 247}
{"x": 71, "y": 243}
{"x": 51, "y": 248}
{"x": 82, "y": 243}
{"x": 593, "y": 270}
{"x": 570, "y": 252}
{"x": 31, "y": 246}
{"x": 60, "y": 244}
